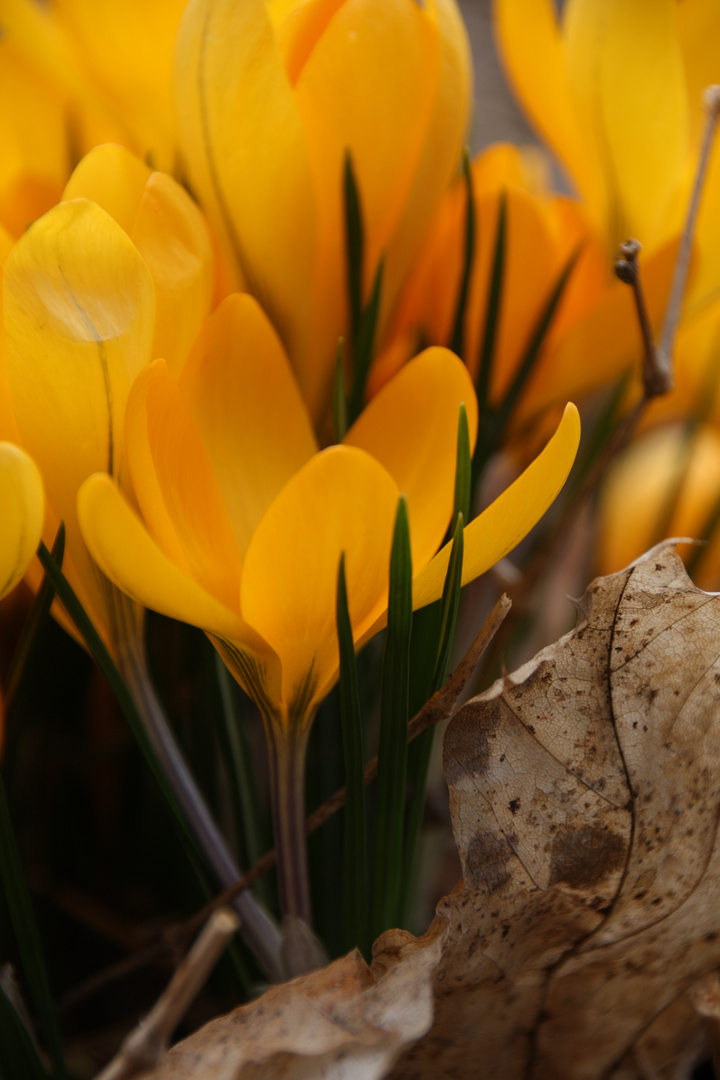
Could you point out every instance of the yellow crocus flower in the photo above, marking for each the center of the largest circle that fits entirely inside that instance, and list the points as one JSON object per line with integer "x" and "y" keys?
{"x": 271, "y": 95}
{"x": 245, "y": 519}
{"x": 21, "y": 512}
{"x": 119, "y": 272}
{"x": 614, "y": 87}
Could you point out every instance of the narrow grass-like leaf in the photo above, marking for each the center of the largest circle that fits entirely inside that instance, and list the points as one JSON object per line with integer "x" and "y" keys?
{"x": 449, "y": 605}
{"x": 249, "y": 817}
{"x": 457, "y": 339}
{"x": 339, "y": 402}
{"x": 421, "y": 750}
{"x": 535, "y": 344}
{"x": 19, "y": 905}
{"x": 354, "y": 245}
{"x": 463, "y": 471}
{"x": 33, "y": 625}
{"x": 394, "y": 718}
{"x": 364, "y": 345}
{"x": 124, "y": 698}
{"x": 492, "y": 431}
{"x": 18, "y": 1053}
{"x": 355, "y": 871}
{"x": 492, "y": 308}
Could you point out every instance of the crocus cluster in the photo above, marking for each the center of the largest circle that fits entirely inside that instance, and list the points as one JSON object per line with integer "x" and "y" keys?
{"x": 172, "y": 307}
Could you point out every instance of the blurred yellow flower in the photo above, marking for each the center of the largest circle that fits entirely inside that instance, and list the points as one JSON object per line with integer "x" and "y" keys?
{"x": 666, "y": 484}
{"x": 615, "y": 88}
{"x": 245, "y": 520}
{"x": 271, "y": 94}
{"x": 82, "y": 74}
{"x": 21, "y": 499}
{"x": 593, "y": 337}
{"x": 120, "y": 272}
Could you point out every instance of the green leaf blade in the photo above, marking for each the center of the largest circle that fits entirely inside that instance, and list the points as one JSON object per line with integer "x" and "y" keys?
{"x": 394, "y": 719}
{"x": 355, "y": 870}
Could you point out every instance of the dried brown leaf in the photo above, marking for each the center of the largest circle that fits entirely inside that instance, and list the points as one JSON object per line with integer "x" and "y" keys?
{"x": 338, "y": 1023}
{"x": 585, "y": 792}
{"x": 584, "y": 938}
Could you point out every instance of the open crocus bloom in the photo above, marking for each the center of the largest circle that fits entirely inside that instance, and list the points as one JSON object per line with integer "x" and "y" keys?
{"x": 271, "y": 96}
{"x": 21, "y": 506}
{"x": 245, "y": 519}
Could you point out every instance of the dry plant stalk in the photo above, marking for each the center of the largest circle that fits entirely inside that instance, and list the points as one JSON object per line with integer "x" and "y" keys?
{"x": 146, "y": 1044}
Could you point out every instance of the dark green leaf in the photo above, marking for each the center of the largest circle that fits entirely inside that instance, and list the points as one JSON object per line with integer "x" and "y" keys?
{"x": 354, "y": 245}
{"x": 394, "y": 718}
{"x": 364, "y": 345}
{"x": 355, "y": 872}
{"x": 421, "y": 749}
{"x": 457, "y": 342}
{"x": 493, "y": 428}
{"x": 241, "y": 774}
{"x": 492, "y": 309}
{"x": 463, "y": 471}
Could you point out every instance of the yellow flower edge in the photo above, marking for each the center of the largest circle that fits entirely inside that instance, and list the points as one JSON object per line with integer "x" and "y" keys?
{"x": 23, "y": 504}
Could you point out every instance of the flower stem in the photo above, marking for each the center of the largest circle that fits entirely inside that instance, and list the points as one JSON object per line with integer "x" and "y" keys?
{"x": 257, "y": 927}
{"x": 287, "y": 769}
{"x": 287, "y": 746}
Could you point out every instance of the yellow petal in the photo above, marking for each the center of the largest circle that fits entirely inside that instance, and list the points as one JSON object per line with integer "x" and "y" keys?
{"x": 391, "y": 49}
{"x": 636, "y": 113}
{"x": 127, "y": 51}
{"x": 243, "y": 396}
{"x": 113, "y": 178}
{"x": 33, "y": 134}
{"x": 175, "y": 486}
{"x": 79, "y": 313}
{"x": 341, "y": 501}
{"x": 411, "y": 428}
{"x": 172, "y": 237}
{"x": 231, "y": 91}
{"x": 298, "y": 28}
{"x": 495, "y": 532}
{"x": 127, "y": 555}
{"x": 22, "y": 501}
{"x": 442, "y": 144}
{"x": 169, "y": 232}
{"x": 534, "y": 57}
